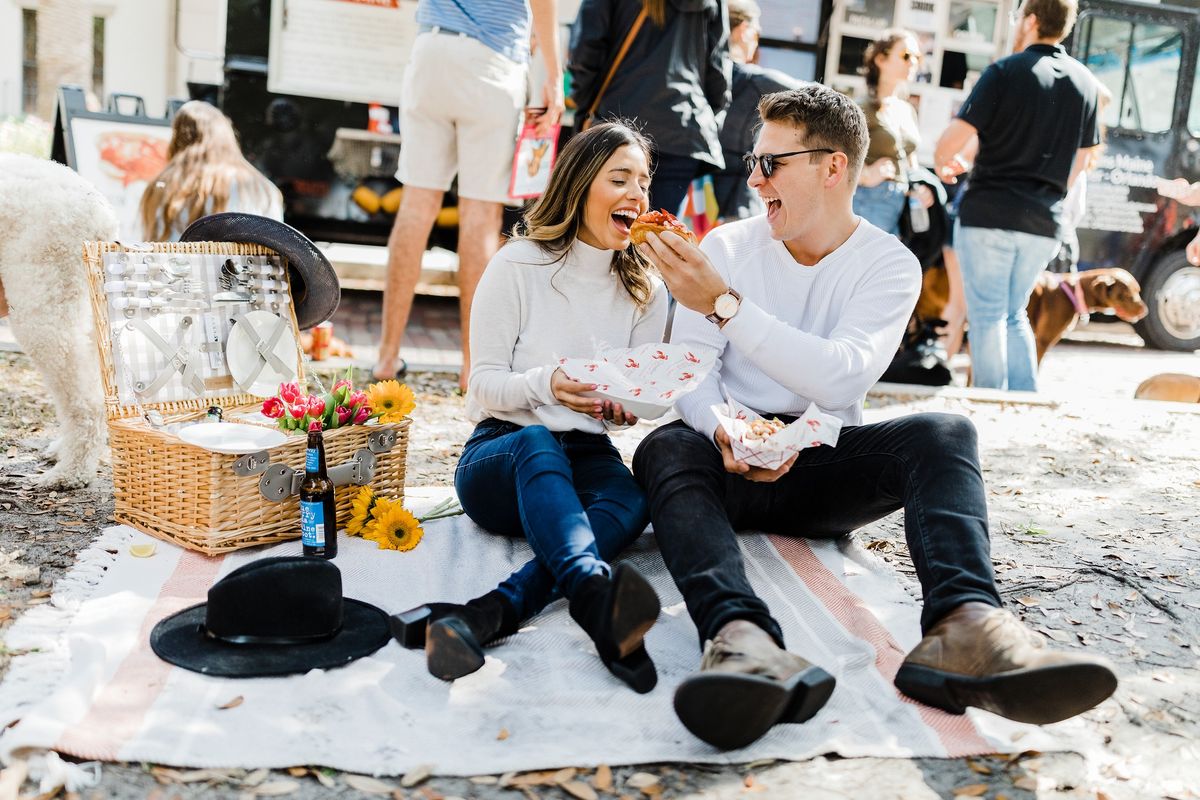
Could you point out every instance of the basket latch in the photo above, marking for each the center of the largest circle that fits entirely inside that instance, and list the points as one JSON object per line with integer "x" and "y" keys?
{"x": 252, "y": 464}
{"x": 381, "y": 441}
{"x": 279, "y": 481}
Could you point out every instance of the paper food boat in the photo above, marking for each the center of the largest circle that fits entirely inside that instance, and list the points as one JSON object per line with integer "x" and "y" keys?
{"x": 813, "y": 429}
{"x": 645, "y": 380}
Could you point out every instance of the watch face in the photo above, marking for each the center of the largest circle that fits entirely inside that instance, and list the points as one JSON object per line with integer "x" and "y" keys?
{"x": 726, "y": 306}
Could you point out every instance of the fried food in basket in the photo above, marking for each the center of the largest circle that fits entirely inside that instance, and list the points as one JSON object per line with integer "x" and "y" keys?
{"x": 759, "y": 429}
{"x": 658, "y": 222}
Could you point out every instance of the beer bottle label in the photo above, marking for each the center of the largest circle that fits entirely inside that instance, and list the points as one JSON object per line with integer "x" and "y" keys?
{"x": 312, "y": 523}
{"x": 312, "y": 461}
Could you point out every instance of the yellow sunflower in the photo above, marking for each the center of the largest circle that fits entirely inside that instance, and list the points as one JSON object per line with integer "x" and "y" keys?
{"x": 394, "y": 528}
{"x": 360, "y": 511}
{"x": 391, "y": 400}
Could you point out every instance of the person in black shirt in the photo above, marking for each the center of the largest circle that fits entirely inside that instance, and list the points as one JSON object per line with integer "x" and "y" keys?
{"x": 1035, "y": 115}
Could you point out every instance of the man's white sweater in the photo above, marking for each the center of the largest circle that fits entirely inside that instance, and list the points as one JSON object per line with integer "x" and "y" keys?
{"x": 822, "y": 333}
{"x": 529, "y": 311}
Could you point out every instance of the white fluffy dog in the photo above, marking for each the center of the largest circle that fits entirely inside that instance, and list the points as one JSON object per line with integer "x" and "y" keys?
{"x": 47, "y": 212}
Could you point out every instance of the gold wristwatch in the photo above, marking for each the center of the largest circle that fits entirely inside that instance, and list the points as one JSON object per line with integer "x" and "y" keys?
{"x": 725, "y": 306}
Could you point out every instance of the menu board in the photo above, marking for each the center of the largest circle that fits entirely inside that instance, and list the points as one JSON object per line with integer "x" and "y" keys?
{"x": 351, "y": 50}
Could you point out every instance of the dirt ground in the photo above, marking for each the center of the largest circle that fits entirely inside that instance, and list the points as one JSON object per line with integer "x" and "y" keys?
{"x": 1095, "y": 513}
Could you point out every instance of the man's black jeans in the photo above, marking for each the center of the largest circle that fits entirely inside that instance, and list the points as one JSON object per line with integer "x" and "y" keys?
{"x": 927, "y": 464}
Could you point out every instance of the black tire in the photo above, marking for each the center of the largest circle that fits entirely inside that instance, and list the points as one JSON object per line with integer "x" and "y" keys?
{"x": 1172, "y": 294}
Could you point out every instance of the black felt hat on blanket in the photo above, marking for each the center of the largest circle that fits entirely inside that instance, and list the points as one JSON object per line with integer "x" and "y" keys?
{"x": 315, "y": 288}
{"x": 274, "y": 616}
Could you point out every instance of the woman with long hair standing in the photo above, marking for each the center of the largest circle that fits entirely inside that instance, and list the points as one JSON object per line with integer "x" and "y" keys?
{"x": 674, "y": 79}
{"x": 889, "y": 63}
{"x": 205, "y": 174}
{"x": 539, "y": 463}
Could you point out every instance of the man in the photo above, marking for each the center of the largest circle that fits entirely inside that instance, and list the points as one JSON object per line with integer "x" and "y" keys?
{"x": 808, "y": 304}
{"x": 1035, "y": 115}
{"x": 460, "y": 107}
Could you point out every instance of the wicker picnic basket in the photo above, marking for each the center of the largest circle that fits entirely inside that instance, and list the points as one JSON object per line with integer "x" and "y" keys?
{"x": 189, "y": 495}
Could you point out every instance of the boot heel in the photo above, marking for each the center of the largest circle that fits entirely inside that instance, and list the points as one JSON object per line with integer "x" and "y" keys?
{"x": 408, "y": 627}
{"x": 451, "y": 650}
{"x": 636, "y": 670}
{"x": 635, "y": 609}
{"x": 929, "y": 686}
{"x": 808, "y": 692}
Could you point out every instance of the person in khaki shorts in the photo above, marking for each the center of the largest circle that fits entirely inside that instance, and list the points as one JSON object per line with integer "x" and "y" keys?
{"x": 461, "y": 103}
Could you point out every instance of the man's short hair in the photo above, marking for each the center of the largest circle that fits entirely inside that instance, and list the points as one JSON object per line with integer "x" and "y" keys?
{"x": 826, "y": 117}
{"x": 1055, "y": 18}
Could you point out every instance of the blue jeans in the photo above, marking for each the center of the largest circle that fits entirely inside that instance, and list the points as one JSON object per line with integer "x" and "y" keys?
{"x": 567, "y": 492}
{"x": 999, "y": 269}
{"x": 882, "y": 205}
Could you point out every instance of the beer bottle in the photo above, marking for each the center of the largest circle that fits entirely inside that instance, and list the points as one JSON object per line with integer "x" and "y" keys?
{"x": 318, "y": 510}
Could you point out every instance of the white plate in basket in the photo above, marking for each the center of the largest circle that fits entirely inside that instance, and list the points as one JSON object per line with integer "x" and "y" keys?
{"x": 232, "y": 438}
{"x": 251, "y": 371}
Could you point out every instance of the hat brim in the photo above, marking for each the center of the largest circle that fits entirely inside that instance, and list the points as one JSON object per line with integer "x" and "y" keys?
{"x": 180, "y": 640}
{"x": 315, "y": 288}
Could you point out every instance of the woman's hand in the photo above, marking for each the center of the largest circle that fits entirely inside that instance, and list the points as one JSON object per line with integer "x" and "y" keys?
{"x": 923, "y": 194}
{"x": 614, "y": 413}
{"x": 873, "y": 174}
{"x": 569, "y": 393}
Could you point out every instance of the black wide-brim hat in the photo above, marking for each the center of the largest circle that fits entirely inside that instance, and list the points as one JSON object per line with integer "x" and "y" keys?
{"x": 275, "y": 616}
{"x": 315, "y": 288}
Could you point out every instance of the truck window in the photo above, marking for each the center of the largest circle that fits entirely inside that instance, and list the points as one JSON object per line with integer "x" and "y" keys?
{"x": 1139, "y": 63}
{"x": 1194, "y": 113}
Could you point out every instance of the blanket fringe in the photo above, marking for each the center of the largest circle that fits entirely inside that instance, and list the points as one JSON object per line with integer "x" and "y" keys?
{"x": 39, "y": 634}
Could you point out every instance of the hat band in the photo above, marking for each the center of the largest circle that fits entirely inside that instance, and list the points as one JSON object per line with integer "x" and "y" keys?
{"x": 250, "y": 639}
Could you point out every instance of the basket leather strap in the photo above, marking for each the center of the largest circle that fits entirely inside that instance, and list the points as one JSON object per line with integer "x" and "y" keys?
{"x": 181, "y": 358}
{"x": 264, "y": 347}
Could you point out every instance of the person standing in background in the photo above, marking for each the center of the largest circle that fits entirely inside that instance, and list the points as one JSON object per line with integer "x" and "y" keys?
{"x": 890, "y": 62}
{"x": 461, "y": 103}
{"x": 205, "y": 174}
{"x": 735, "y": 200}
{"x": 674, "y": 80}
{"x": 1035, "y": 115}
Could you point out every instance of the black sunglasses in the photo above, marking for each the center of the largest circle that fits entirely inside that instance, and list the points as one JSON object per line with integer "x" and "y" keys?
{"x": 768, "y": 159}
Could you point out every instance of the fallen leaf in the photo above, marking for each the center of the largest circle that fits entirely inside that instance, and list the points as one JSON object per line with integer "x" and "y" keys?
{"x": 563, "y": 775}
{"x": 276, "y": 788}
{"x": 640, "y": 780}
{"x": 602, "y": 780}
{"x": 416, "y": 775}
{"x": 257, "y": 777}
{"x": 325, "y": 780}
{"x": 485, "y": 780}
{"x": 579, "y": 789}
{"x": 234, "y": 703}
{"x": 752, "y": 785}
{"x": 365, "y": 783}
{"x": 503, "y": 734}
{"x": 5, "y": 613}
{"x": 971, "y": 790}
{"x": 507, "y": 779}
{"x": 982, "y": 769}
{"x": 1028, "y": 601}
{"x": 1027, "y": 782}
{"x": 297, "y": 772}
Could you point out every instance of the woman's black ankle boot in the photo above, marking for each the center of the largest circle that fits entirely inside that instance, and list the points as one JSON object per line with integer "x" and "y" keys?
{"x": 456, "y": 634}
{"x": 616, "y": 612}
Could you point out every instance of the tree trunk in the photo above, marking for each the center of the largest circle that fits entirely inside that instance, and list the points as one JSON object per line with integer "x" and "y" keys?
{"x": 64, "y": 49}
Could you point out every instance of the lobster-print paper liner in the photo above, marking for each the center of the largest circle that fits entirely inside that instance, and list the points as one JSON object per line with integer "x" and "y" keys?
{"x": 813, "y": 429}
{"x": 645, "y": 380}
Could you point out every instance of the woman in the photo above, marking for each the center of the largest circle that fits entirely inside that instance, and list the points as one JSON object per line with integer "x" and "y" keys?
{"x": 674, "y": 79}
{"x": 540, "y": 464}
{"x": 205, "y": 174}
{"x": 890, "y": 62}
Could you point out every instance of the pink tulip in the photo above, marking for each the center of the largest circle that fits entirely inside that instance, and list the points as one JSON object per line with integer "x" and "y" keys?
{"x": 273, "y": 407}
{"x": 358, "y": 398}
{"x": 362, "y": 415}
{"x": 315, "y": 425}
{"x": 297, "y": 412}
{"x": 290, "y": 392}
{"x": 316, "y": 405}
{"x": 343, "y": 414}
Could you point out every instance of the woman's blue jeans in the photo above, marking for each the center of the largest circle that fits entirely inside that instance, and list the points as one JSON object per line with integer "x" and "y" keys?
{"x": 999, "y": 268}
{"x": 567, "y": 492}
{"x": 882, "y": 205}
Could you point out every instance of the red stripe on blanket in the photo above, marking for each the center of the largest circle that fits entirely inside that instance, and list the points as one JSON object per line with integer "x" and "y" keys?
{"x": 957, "y": 733}
{"x": 119, "y": 707}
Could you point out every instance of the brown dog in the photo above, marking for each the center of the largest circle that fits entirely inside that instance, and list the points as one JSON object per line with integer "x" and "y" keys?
{"x": 1173, "y": 386}
{"x": 1051, "y": 310}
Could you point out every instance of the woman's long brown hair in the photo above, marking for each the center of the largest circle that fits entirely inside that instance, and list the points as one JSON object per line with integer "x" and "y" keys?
{"x": 555, "y": 220}
{"x": 204, "y": 163}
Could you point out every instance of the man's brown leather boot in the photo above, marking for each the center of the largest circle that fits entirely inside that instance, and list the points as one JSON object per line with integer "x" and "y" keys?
{"x": 982, "y": 656}
{"x": 746, "y": 684}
